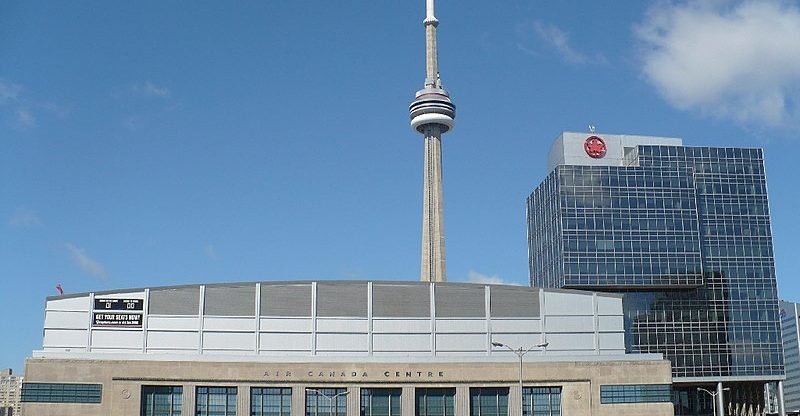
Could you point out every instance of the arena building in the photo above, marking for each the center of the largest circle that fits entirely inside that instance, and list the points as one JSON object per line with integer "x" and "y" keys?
{"x": 341, "y": 348}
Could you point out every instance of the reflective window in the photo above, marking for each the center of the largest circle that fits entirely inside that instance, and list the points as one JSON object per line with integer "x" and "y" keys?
{"x": 541, "y": 401}
{"x": 216, "y": 401}
{"x": 274, "y": 401}
{"x": 161, "y": 400}
{"x": 435, "y": 402}
{"x": 380, "y": 402}
{"x": 61, "y": 393}
{"x": 635, "y": 393}
{"x": 326, "y": 402}
{"x": 488, "y": 401}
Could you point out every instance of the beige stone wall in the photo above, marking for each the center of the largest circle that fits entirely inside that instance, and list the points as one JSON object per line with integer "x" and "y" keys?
{"x": 122, "y": 381}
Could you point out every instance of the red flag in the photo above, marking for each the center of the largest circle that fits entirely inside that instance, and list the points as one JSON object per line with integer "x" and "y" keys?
{"x": 60, "y": 289}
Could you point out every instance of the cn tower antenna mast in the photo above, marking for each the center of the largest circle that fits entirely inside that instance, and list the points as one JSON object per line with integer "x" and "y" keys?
{"x": 432, "y": 114}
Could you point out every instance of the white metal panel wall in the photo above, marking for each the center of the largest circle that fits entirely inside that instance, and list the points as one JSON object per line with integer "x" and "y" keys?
{"x": 567, "y": 303}
{"x": 516, "y": 325}
{"x": 342, "y": 325}
{"x": 186, "y": 323}
{"x": 461, "y": 342}
{"x": 401, "y": 342}
{"x": 401, "y": 326}
{"x": 66, "y": 319}
{"x": 609, "y": 306}
{"x": 516, "y": 339}
{"x": 65, "y": 338}
{"x": 228, "y": 341}
{"x": 69, "y": 304}
{"x": 286, "y": 325}
{"x": 228, "y": 324}
{"x": 570, "y": 342}
{"x": 612, "y": 341}
{"x": 285, "y": 342}
{"x": 127, "y": 340}
{"x": 583, "y": 324}
{"x": 63, "y": 330}
{"x": 342, "y": 342}
{"x": 173, "y": 340}
{"x": 571, "y": 322}
{"x": 457, "y": 326}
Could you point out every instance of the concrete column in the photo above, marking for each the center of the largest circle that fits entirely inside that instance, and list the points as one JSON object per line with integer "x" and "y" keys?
{"x": 188, "y": 407}
{"x": 781, "y": 407}
{"x": 353, "y": 401}
{"x": 242, "y": 400}
{"x": 298, "y": 401}
{"x": 514, "y": 401}
{"x": 462, "y": 401}
{"x": 407, "y": 401}
{"x": 720, "y": 400}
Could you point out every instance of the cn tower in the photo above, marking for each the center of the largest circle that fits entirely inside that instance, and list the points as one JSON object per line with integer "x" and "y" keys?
{"x": 432, "y": 114}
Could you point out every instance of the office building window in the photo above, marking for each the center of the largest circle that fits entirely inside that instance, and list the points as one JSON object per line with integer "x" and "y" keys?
{"x": 270, "y": 401}
{"x": 216, "y": 401}
{"x": 435, "y": 402}
{"x": 635, "y": 393}
{"x": 380, "y": 402}
{"x": 492, "y": 401}
{"x": 162, "y": 400}
{"x": 326, "y": 402}
{"x": 541, "y": 401}
{"x": 61, "y": 393}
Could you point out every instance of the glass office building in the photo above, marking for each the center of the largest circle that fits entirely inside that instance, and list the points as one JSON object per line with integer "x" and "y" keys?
{"x": 684, "y": 233}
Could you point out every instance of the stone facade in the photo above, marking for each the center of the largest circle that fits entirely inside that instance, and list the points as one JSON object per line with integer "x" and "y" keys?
{"x": 122, "y": 380}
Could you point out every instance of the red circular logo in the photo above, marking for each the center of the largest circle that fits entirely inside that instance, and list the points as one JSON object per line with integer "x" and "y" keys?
{"x": 595, "y": 147}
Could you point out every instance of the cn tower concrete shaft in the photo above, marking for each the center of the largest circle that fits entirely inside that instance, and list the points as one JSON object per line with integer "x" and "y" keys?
{"x": 433, "y": 257}
{"x": 432, "y": 114}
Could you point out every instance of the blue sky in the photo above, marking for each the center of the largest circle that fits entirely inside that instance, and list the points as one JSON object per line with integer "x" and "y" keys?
{"x": 160, "y": 143}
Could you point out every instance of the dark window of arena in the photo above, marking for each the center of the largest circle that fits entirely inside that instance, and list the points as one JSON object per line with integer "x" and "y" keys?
{"x": 380, "y": 402}
{"x": 635, "y": 393}
{"x": 162, "y": 400}
{"x": 488, "y": 401}
{"x": 541, "y": 401}
{"x": 271, "y": 401}
{"x": 61, "y": 393}
{"x": 326, "y": 402}
{"x": 435, "y": 402}
{"x": 216, "y": 401}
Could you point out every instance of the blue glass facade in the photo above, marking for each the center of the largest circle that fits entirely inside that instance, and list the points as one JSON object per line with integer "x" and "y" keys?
{"x": 685, "y": 233}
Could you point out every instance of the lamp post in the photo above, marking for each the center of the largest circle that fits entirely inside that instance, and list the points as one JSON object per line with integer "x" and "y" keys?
{"x": 521, "y": 353}
{"x": 330, "y": 399}
{"x": 713, "y": 395}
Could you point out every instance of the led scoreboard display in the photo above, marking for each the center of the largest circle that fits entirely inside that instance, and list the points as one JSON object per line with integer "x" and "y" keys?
{"x": 105, "y": 304}
{"x": 119, "y": 313}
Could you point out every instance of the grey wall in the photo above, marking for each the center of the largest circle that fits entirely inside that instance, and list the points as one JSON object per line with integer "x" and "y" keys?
{"x": 568, "y": 149}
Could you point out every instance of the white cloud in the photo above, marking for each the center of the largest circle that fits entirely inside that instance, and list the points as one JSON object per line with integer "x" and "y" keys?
{"x": 24, "y": 119}
{"x": 475, "y": 277}
{"x": 86, "y": 263}
{"x": 24, "y": 218}
{"x": 148, "y": 89}
{"x": 9, "y": 91}
{"x": 21, "y": 111}
{"x": 558, "y": 40}
{"x": 738, "y": 61}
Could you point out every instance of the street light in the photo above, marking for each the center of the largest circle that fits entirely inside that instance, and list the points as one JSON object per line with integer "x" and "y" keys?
{"x": 520, "y": 353}
{"x": 330, "y": 399}
{"x": 713, "y": 395}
